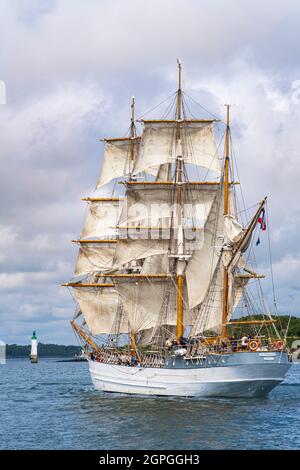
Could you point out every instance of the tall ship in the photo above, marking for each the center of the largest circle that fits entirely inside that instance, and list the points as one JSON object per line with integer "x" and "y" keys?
{"x": 167, "y": 300}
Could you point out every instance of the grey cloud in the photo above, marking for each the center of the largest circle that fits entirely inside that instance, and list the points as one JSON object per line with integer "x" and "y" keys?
{"x": 71, "y": 67}
{"x": 87, "y": 39}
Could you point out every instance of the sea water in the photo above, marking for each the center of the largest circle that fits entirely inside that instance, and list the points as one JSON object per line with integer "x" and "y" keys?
{"x": 52, "y": 405}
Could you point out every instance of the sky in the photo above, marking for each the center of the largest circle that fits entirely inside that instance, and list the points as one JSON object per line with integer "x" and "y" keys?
{"x": 70, "y": 68}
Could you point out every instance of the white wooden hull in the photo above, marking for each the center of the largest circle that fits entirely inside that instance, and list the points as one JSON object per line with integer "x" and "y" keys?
{"x": 240, "y": 380}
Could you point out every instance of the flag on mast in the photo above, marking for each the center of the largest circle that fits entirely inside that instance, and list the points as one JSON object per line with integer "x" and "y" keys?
{"x": 262, "y": 220}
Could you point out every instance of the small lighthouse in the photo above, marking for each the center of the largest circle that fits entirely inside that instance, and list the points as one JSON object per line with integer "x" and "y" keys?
{"x": 34, "y": 349}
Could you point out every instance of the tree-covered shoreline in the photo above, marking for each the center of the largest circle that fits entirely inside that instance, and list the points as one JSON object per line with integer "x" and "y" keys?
{"x": 44, "y": 350}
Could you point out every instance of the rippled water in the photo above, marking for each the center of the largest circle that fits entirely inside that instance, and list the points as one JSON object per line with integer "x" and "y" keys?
{"x": 52, "y": 405}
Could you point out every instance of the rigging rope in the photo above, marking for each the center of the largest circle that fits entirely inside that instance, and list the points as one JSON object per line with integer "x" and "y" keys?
{"x": 204, "y": 109}
{"x": 270, "y": 256}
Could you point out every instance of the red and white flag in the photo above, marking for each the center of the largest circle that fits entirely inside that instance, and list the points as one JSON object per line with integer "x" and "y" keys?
{"x": 262, "y": 220}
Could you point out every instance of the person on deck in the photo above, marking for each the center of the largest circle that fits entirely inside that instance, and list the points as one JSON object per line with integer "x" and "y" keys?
{"x": 234, "y": 344}
{"x": 244, "y": 342}
{"x": 133, "y": 361}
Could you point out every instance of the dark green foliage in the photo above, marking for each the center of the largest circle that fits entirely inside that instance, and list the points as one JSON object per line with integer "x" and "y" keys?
{"x": 44, "y": 350}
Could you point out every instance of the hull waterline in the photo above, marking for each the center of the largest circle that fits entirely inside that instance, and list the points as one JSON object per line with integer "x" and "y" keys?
{"x": 254, "y": 378}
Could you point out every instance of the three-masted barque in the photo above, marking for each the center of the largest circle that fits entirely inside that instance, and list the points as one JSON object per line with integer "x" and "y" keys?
{"x": 163, "y": 265}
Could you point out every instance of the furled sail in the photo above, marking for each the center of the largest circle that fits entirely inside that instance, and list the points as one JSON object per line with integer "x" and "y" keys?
{"x": 158, "y": 146}
{"x": 116, "y": 159}
{"x": 232, "y": 229}
{"x": 237, "y": 284}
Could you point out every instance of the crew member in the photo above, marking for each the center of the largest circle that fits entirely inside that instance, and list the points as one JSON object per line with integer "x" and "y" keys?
{"x": 244, "y": 342}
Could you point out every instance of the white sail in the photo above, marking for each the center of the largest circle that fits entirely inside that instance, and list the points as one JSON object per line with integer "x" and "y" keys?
{"x": 157, "y": 206}
{"x": 131, "y": 249}
{"x": 156, "y": 264}
{"x": 99, "y": 308}
{"x": 169, "y": 314}
{"x": 158, "y": 146}
{"x": 143, "y": 303}
{"x": 219, "y": 231}
{"x": 210, "y": 313}
{"x": 101, "y": 219}
{"x": 237, "y": 286}
{"x": 116, "y": 160}
{"x": 232, "y": 229}
{"x": 94, "y": 257}
{"x": 211, "y": 308}
{"x": 77, "y": 313}
{"x": 151, "y": 206}
{"x": 163, "y": 172}
{"x": 149, "y": 214}
{"x": 201, "y": 266}
{"x": 100, "y": 224}
{"x": 152, "y": 335}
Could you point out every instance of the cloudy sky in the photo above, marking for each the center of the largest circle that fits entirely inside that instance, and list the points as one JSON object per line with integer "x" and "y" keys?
{"x": 70, "y": 68}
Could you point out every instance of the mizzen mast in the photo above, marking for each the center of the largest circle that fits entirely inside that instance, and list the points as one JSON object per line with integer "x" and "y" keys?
{"x": 226, "y": 211}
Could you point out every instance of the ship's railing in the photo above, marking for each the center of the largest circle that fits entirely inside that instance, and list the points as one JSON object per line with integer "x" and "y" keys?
{"x": 196, "y": 350}
{"x": 228, "y": 345}
{"x": 152, "y": 360}
{"x": 112, "y": 356}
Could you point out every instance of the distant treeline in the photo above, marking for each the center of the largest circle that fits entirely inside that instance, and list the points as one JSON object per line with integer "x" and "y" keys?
{"x": 44, "y": 350}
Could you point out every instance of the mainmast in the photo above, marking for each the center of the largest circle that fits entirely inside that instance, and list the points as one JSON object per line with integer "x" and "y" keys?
{"x": 132, "y": 130}
{"x": 132, "y": 136}
{"x": 178, "y": 143}
{"x": 180, "y": 258}
{"x": 179, "y": 100}
{"x": 226, "y": 199}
